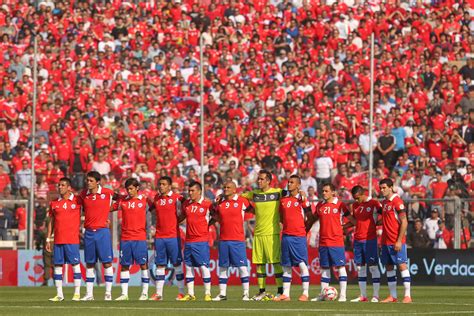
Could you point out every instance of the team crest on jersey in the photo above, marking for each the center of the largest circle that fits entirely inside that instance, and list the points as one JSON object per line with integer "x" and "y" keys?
{"x": 369, "y": 209}
{"x": 389, "y": 208}
{"x": 296, "y": 203}
{"x": 140, "y": 204}
{"x": 236, "y": 204}
{"x": 73, "y": 206}
{"x": 402, "y": 206}
{"x": 272, "y": 196}
{"x": 334, "y": 210}
{"x": 102, "y": 196}
{"x": 170, "y": 201}
{"x": 201, "y": 210}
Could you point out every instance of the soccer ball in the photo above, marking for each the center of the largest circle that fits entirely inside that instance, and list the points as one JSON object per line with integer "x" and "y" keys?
{"x": 329, "y": 294}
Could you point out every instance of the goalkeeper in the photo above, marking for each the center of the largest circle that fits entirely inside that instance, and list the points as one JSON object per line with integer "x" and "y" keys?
{"x": 266, "y": 242}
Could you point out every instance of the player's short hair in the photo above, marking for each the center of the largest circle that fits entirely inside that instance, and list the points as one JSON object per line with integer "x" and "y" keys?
{"x": 357, "y": 190}
{"x": 330, "y": 185}
{"x": 195, "y": 184}
{"x": 167, "y": 179}
{"x": 267, "y": 174}
{"x": 294, "y": 176}
{"x": 65, "y": 179}
{"x": 94, "y": 174}
{"x": 386, "y": 181}
{"x": 132, "y": 181}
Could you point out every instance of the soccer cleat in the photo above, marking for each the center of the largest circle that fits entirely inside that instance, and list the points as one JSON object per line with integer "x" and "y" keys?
{"x": 319, "y": 298}
{"x": 219, "y": 298}
{"x": 108, "y": 297}
{"x": 360, "y": 299}
{"x": 121, "y": 298}
{"x": 375, "y": 299}
{"x": 259, "y": 296}
{"x": 407, "y": 300}
{"x": 87, "y": 298}
{"x": 245, "y": 298}
{"x": 282, "y": 298}
{"x": 179, "y": 296}
{"x": 187, "y": 298}
{"x": 268, "y": 297}
{"x": 156, "y": 297}
{"x": 56, "y": 299}
{"x": 303, "y": 298}
{"x": 389, "y": 299}
{"x": 207, "y": 298}
{"x": 143, "y": 297}
{"x": 76, "y": 298}
{"x": 342, "y": 299}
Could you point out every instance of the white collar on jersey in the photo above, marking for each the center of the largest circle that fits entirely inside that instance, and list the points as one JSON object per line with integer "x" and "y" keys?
{"x": 200, "y": 200}
{"x": 70, "y": 198}
{"x": 140, "y": 197}
{"x": 99, "y": 190}
{"x": 334, "y": 201}
{"x": 368, "y": 198}
{"x": 235, "y": 197}
{"x": 392, "y": 197}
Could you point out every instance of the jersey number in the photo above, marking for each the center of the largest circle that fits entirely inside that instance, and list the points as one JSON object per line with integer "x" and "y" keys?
{"x": 131, "y": 204}
{"x": 194, "y": 209}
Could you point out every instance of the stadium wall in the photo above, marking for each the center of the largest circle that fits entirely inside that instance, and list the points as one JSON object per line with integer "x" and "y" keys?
{"x": 427, "y": 267}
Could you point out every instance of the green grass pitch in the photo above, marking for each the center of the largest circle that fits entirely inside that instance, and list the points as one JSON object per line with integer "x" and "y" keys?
{"x": 428, "y": 300}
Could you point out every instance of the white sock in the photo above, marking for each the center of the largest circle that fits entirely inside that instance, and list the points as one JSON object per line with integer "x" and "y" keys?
{"x": 304, "y": 278}
{"x": 76, "y": 269}
{"x": 206, "y": 278}
{"x": 374, "y": 270}
{"x": 179, "y": 278}
{"x": 362, "y": 275}
{"x": 406, "y": 281}
{"x": 342, "y": 281}
{"x": 325, "y": 278}
{"x": 58, "y": 280}
{"x": 160, "y": 280}
{"x": 145, "y": 281}
{"x": 109, "y": 279}
{"x": 124, "y": 278}
{"x": 286, "y": 280}
{"x": 190, "y": 280}
{"x": 90, "y": 278}
{"x": 222, "y": 281}
{"x": 244, "y": 278}
{"x": 392, "y": 282}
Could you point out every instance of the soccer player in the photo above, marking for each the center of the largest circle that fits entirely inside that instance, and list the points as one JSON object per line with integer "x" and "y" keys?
{"x": 266, "y": 243}
{"x": 196, "y": 211}
{"x": 167, "y": 241}
{"x": 294, "y": 210}
{"x": 229, "y": 212}
{"x": 330, "y": 214}
{"x": 65, "y": 216}
{"x": 133, "y": 246}
{"x": 363, "y": 216}
{"x": 394, "y": 250}
{"x": 96, "y": 202}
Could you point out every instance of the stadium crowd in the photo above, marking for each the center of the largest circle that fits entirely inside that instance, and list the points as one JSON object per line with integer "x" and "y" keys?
{"x": 287, "y": 88}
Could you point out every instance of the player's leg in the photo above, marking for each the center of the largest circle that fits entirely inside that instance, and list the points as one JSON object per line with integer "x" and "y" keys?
{"x": 300, "y": 255}
{"x": 324, "y": 263}
{"x": 124, "y": 279}
{"x": 224, "y": 261}
{"x": 372, "y": 258}
{"x": 72, "y": 257}
{"x": 359, "y": 259}
{"x": 106, "y": 255}
{"x": 405, "y": 273}
{"x": 91, "y": 259}
{"x": 176, "y": 258}
{"x": 189, "y": 265}
{"x": 387, "y": 260}
{"x": 58, "y": 261}
{"x": 202, "y": 255}
{"x": 161, "y": 259}
{"x": 274, "y": 248}
{"x": 238, "y": 258}
{"x": 338, "y": 258}
{"x": 286, "y": 264}
{"x": 258, "y": 260}
{"x": 145, "y": 282}
{"x": 140, "y": 256}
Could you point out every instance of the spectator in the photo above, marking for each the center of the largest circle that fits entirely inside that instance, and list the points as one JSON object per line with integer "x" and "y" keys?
{"x": 308, "y": 181}
{"x": 20, "y": 216}
{"x": 101, "y": 166}
{"x": 385, "y": 147}
{"x": 444, "y": 237}
{"x": 4, "y": 179}
{"x": 431, "y": 226}
{"x": 23, "y": 176}
{"x": 418, "y": 238}
{"x": 323, "y": 166}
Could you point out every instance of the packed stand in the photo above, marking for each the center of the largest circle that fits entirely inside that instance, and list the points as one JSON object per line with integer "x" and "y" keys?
{"x": 286, "y": 85}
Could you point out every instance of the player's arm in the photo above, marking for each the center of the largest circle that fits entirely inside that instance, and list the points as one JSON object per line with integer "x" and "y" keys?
{"x": 49, "y": 232}
{"x": 402, "y": 215}
{"x": 312, "y": 218}
{"x": 378, "y": 213}
{"x": 351, "y": 219}
{"x": 214, "y": 215}
{"x": 151, "y": 204}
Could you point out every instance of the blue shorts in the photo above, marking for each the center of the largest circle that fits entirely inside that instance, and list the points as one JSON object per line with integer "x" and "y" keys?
{"x": 366, "y": 252}
{"x": 133, "y": 251}
{"x": 66, "y": 253}
{"x": 196, "y": 254}
{"x": 332, "y": 257}
{"x": 294, "y": 250}
{"x": 232, "y": 253}
{"x": 168, "y": 249}
{"x": 98, "y": 246}
{"x": 390, "y": 257}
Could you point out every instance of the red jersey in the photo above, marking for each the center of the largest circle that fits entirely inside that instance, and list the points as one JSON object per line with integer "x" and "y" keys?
{"x": 133, "y": 217}
{"x": 96, "y": 207}
{"x": 365, "y": 214}
{"x": 167, "y": 209}
{"x": 231, "y": 218}
{"x": 67, "y": 220}
{"x": 197, "y": 220}
{"x": 293, "y": 216}
{"x": 330, "y": 219}
{"x": 391, "y": 209}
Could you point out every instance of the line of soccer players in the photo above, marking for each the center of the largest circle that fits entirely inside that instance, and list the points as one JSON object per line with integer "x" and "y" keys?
{"x": 276, "y": 210}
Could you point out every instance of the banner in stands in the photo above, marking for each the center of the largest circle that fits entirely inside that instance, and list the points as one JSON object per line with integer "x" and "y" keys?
{"x": 430, "y": 266}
